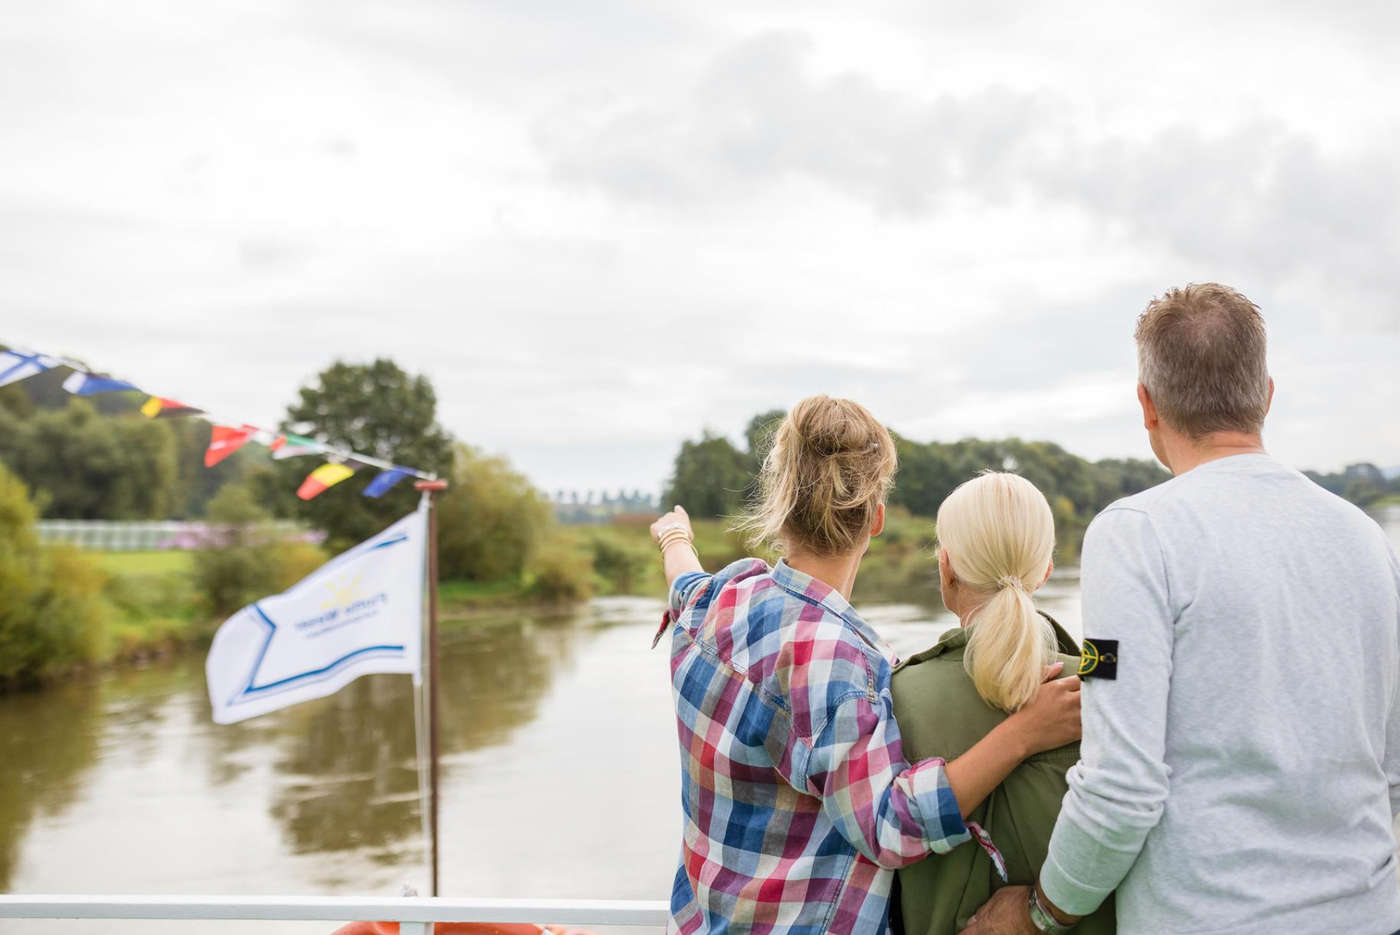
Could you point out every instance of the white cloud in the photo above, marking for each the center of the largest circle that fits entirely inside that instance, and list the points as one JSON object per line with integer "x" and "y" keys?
{"x": 600, "y": 228}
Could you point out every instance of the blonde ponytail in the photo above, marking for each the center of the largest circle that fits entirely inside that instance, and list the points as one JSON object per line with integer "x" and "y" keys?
{"x": 998, "y": 534}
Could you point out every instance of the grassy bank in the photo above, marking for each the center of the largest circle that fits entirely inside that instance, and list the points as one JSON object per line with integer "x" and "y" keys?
{"x": 152, "y": 603}
{"x": 620, "y": 558}
{"x": 156, "y": 590}
{"x": 154, "y": 607}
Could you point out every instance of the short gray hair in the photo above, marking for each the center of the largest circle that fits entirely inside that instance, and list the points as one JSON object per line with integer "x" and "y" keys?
{"x": 1201, "y": 356}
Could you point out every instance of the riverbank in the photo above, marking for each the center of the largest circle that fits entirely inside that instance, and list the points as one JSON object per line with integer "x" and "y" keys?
{"x": 151, "y": 605}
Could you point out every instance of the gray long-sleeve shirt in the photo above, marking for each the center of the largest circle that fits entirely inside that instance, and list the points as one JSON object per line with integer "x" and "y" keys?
{"x": 1241, "y": 772}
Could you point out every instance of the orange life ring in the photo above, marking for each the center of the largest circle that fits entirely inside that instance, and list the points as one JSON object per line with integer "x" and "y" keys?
{"x": 459, "y": 928}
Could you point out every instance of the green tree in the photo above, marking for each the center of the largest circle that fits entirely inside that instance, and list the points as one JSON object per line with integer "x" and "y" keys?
{"x": 1365, "y": 484}
{"x": 927, "y": 474}
{"x": 85, "y": 465}
{"x": 375, "y": 409}
{"x": 1075, "y": 488}
{"x": 1122, "y": 477}
{"x": 710, "y": 477}
{"x": 758, "y": 434}
{"x": 195, "y": 485}
{"x": 490, "y": 520}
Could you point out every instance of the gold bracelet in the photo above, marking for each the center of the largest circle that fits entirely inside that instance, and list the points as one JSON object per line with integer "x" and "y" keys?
{"x": 673, "y": 531}
{"x": 693, "y": 550}
{"x": 670, "y": 536}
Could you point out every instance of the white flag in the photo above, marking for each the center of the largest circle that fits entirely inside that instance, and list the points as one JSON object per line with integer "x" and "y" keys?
{"x": 361, "y": 612}
{"x": 21, "y": 365}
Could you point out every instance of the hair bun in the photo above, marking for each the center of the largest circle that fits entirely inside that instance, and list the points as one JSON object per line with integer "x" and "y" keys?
{"x": 833, "y": 429}
{"x": 825, "y": 477}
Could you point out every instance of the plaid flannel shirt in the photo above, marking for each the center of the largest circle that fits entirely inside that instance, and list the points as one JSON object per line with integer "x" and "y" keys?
{"x": 798, "y": 801}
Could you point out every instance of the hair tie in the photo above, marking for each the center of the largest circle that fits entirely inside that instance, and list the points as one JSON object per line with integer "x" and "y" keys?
{"x": 1010, "y": 581}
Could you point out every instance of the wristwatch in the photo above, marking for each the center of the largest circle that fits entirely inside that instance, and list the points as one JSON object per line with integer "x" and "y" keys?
{"x": 1043, "y": 919}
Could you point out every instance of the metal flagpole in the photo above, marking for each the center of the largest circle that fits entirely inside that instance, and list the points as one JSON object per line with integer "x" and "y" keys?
{"x": 429, "y": 488}
{"x": 420, "y": 745}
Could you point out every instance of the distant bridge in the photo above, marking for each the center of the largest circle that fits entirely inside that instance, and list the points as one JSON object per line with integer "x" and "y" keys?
{"x": 599, "y": 506}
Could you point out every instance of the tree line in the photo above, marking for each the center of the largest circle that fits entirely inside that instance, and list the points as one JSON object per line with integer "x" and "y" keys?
{"x": 77, "y": 458}
{"x": 1362, "y": 484}
{"x": 99, "y": 458}
{"x": 712, "y": 477}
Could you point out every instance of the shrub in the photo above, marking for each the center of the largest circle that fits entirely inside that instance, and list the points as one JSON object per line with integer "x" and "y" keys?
{"x": 74, "y": 610}
{"x": 490, "y": 521}
{"x": 624, "y": 564}
{"x": 294, "y": 561}
{"x": 561, "y": 574}
{"x": 240, "y": 565}
{"x": 51, "y": 607}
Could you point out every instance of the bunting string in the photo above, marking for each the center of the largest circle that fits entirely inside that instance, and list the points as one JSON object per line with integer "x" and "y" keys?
{"x": 225, "y": 437}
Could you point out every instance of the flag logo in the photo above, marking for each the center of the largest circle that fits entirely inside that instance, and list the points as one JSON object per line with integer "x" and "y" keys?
{"x": 361, "y": 612}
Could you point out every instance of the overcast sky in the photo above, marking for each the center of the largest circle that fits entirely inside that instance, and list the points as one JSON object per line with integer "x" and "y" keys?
{"x": 601, "y": 226}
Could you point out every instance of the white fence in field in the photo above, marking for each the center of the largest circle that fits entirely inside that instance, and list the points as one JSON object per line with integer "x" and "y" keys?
{"x": 152, "y": 535}
{"x": 415, "y": 914}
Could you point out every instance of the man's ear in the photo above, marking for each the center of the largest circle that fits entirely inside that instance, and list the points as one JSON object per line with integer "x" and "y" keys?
{"x": 1150, "y": 419}
{"x": 1270, "y": 404}
{"x": 878, "y": 526}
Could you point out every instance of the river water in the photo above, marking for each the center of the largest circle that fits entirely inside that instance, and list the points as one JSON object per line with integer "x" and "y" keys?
{"x": 559, "y": 771}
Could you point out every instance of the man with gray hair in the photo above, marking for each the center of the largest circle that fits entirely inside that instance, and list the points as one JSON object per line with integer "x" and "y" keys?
{"x": 1240, "y": 767}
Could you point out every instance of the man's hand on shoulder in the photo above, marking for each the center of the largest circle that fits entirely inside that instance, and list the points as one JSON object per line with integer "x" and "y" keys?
{"x": 1006, "y": 913}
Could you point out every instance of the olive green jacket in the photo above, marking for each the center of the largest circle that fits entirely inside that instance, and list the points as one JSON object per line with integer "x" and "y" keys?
{"x": 940, "y": 714}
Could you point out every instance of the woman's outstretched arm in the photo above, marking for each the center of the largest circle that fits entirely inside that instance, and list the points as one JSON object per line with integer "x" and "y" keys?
{"x": 675, "y": 537}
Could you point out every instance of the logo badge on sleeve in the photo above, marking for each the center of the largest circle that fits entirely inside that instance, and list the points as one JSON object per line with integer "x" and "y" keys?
{"x": 1099, "y": 659}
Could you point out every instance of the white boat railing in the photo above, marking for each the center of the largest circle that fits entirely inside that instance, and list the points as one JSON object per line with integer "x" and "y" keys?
{"x": 415, "y": 914}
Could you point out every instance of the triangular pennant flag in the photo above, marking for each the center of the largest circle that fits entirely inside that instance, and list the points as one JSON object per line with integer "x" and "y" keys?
{"x": 224, "y": 440}
{"x": 294, "y": 446}
{"x": 89, "y": 384}
{"x": 270, "y": 440}
{"x": 385, "y": 480}
{"x": 325, "y": 476}
{"x": 158, "y": 407}
{"x": 18, "y": 365}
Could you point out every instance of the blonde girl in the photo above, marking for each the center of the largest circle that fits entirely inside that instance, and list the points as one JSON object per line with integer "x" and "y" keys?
{"x": 996, "y": 536}
{"x": 797, "y": 797}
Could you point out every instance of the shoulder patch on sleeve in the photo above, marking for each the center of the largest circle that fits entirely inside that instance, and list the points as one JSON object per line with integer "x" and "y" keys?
{"x": 1099, "y": 659}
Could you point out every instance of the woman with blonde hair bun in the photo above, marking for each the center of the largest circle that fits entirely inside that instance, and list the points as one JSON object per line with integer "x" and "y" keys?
{"x": 995, "y": 538}
{"x": 798, "y": 798}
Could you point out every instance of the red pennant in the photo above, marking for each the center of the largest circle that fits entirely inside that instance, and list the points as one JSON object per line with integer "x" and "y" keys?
{"x": 224, "y": 441}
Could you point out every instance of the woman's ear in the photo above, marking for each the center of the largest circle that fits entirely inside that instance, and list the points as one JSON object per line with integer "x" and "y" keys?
{"x": 878, "y": 526}
{"x": 1048, "y": 569}
{"x": 946, "y": 580}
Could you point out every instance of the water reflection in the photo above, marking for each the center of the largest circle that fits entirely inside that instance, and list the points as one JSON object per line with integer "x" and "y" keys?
{"x": 47, "y": 742}
{"x": 349, "y": 776}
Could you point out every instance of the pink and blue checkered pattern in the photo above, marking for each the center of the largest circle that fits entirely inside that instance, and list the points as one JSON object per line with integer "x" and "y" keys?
{"x": 798, "y": 802}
